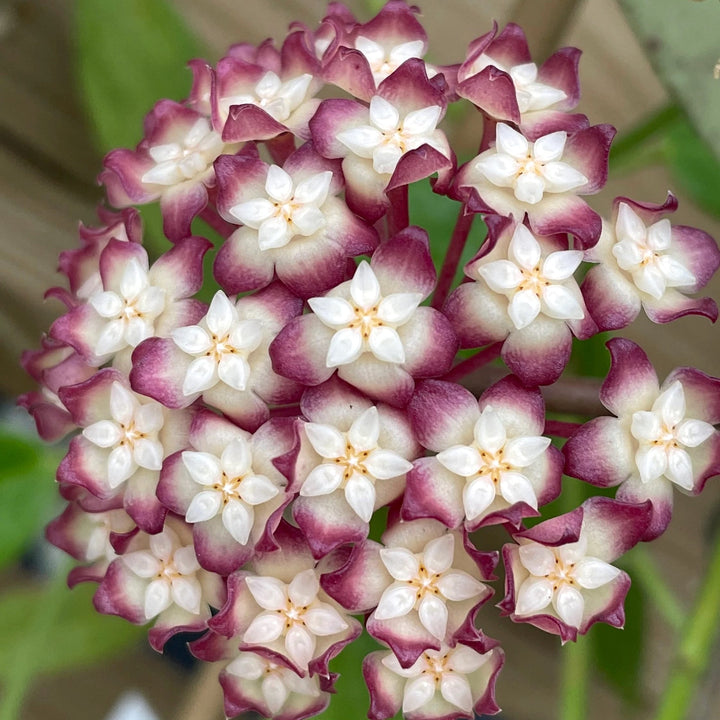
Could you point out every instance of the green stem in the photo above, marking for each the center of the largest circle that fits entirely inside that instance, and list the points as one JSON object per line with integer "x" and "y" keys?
{"x": 632, "y": 145}
{"x": 575, "y": 680}
{"x": 694, "y": 650}
{"x": 644, "y": 571}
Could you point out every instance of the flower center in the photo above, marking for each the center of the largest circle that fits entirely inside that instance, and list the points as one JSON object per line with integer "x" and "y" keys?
{"x": 366, "y": 321}
{"x": 493, "y": 464}
{"x": 425, "y": 583}
{"x": 436, "y": 667}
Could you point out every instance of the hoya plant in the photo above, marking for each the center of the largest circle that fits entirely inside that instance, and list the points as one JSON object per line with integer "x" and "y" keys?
{"x": 323, "y": 434}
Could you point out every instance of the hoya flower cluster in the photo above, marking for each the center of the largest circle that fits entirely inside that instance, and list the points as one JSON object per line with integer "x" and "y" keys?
{"x": 229, "y": 458}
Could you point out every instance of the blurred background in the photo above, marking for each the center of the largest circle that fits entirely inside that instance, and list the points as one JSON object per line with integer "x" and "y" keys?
{"x": 646, "y": 69}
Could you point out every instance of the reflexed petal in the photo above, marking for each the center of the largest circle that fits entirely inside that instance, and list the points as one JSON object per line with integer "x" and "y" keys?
{"x": 679, "y": 468}
{"x": 417, "y": 692}
{"x": 187, "y": 593}
{"x": 361, "y": 140}
{"x": 193, "y": 339}
{"x": 265, "y": 628}
{"x": 120, "y": 466}
{"x": 549, "y": 147}
{"x": 322, "y": 480}
{"x": 501, "y": 275}
{"x": 278, "y": 184}
{"x": 533, "y": 596}
{"x": 364, "y": 287}
{"x": 200, "y": 375}
{"x": 489, "y": 431}
{"x": 692, "y": 432}
{"x": 324, "y": 620}
{"x": 332, "y": 311}
{"x": 515, "y": 488}
{"x": 569, "y": 605}
{"x": 365, "y": 430}
{"x": 253, "y": 213}
{"x": 304, "y": 588}
{"x": 524, "y": 308}
{"x": 148, "y": 454}
{"x": 157, "y": 598}
{"x": 456, "y": 690}
{"x": 314, "y": 190}
{"x": 561, "y": 304}
{"x": 522, "y": 451}
{"x": 478, "y": 496}
{"x": 592, "y": 573}
{"x": 257, "y": 489}
{"x": 398, "y": 307}
{"x": 423, "y": 121}
{"x": 345, "y": 347}
{"x": 204, "y": 468}
{"x": 457, "y": 585}
{"x": 461, "y": 460}
{"x": 396, "y": 601}
{"x": 269, "y": 592}
{"x": 274, "y": 692}
{"x": 433, "y": 615}
{"x": 234, "y": 371}
{"x": 511, "y": 142}
{"x": 386, "y": 464}
{"x": 651, "y": 461}
{"x": 645, "y": 425}
{"x": 360, "y": 495}
{"x": 327, "y": 441}
{"x": 142, "y": 563}
{"x": 386, "y": 345}
{"x": 221, "y": 314}
{"x": 629, "y": 225}
{"x": 104, "y": 433}
{"x": 499, "y": 169}
{"x": 274, "y": 233}
{"x": 238, "y": 519}
{"x": 537, "y": 559}
{"x": 300, "y": 645}
{"x": 438, "y": 553}
{"x": 561, "y": 177}
{"x": 383, "y": 115}
{"x": 671, "y": 404}
{"x": 529, "y": 188}
{"x": 561, "y": 265}
{"x": 400, "y": 563}
{"x": 107, "y": 304}
{"x": 204, "y": 505}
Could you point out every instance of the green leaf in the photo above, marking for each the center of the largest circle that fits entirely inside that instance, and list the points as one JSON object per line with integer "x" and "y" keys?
{"x": 681, "y": 40}
{"x": 18, "y": 455}
{"x": 618, "y": 654}
{"x": 129, "y": 55}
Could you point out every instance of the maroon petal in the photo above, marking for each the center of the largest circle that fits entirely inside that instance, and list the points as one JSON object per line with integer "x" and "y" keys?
{"x": 430, "y": 343}
{"x": 612, "y": 301}
{"x": 298, "y": 352}
{"x": 404, "y": 264}
{"x": 179, "y": 271}
{"x": 631, "y": 384}
{"x": 180, "y": 204}
{"x": 432, "y": 491}
{"x": 702, "y": 393}
{"x": 379, "y": 380}
{"x": 159, "y": 368}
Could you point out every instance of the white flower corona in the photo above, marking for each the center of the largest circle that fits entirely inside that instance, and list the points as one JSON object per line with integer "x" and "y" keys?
{"x": 177, "y": 162}
{"x": 287, "y": 210}
{"x": 493, "y": 465}
{"x": 534, "y": 285}
{"x": 229, "y": 486}
{"x": 529, "y": 93}
{"x": 292, "y": 611}
{"x": 221, "y": 344}
{"x": 385, "y": 62}
{"x": 367, "y": 322}
{"x": 530, "y": 169}
{"x": 352, "y": 461}
{"x": 130, "y": 313}
{"x": 425, "y": 582}
{"x": 173, "y": 569}
{"x": 388, "y": 136}
{"x": 643, "y": 252}
{"x": 131, "y": 435}
{"x": 277, "y": 98}
{"x": 558, "y": 575}
{"x": 445, "y": 670}
{"x": 662, "y": 433}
